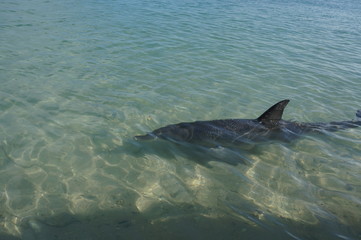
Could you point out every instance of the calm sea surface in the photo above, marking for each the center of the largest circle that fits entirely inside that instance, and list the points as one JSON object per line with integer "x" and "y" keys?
{"x": 78, "y": 79}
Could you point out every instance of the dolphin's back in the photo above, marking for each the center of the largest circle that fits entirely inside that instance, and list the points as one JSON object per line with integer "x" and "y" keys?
{"x": 227, "y": 130}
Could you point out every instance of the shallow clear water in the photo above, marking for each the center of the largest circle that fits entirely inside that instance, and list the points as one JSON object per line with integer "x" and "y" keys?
{"x": 80, "y": 78}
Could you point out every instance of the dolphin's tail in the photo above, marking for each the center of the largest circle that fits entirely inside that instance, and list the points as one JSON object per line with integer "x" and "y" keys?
{"x": 351, "y": 124}
{"x": 358, "y": 115}
{"x": 146, "y": 137}
{"x": 358, "y": 118}
{"x": 336, "y": 126}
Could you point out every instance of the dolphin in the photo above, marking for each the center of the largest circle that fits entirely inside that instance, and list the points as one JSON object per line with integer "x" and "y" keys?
{"x": 238, "y": 132}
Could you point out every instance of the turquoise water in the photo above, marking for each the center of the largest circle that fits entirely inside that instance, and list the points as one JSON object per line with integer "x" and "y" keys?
{"x": 80, "y": 78}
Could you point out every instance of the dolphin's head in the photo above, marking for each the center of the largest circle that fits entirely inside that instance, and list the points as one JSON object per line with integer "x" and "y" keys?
{"x": 177, "y": 132}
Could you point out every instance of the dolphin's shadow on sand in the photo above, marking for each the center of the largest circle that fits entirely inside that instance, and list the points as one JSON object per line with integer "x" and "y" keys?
{"x": 175, "y": 221}
{"x": 195, "y": 153}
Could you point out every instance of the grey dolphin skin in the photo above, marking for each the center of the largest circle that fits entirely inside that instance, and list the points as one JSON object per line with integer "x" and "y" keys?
{"x": 226, "y": 132}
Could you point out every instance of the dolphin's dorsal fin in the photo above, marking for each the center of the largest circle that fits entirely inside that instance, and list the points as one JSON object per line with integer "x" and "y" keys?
{"x": 274, "y": 113}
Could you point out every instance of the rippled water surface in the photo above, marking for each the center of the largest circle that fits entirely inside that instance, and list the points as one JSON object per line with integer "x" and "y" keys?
{"x": 78, "y": 79}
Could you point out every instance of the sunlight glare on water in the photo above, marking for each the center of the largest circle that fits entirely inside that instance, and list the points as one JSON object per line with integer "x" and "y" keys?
{"x": 79, "y": 79}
